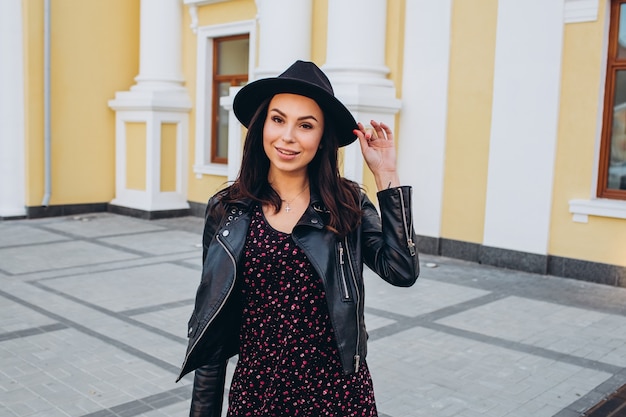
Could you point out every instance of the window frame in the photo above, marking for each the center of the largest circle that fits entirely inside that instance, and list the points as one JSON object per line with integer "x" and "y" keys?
{"x": 612, "y": 67}
{"x": 203, "y": 164}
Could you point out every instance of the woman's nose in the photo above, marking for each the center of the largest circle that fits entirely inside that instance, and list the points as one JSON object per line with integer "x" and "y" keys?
{"x": 288, "y": 134}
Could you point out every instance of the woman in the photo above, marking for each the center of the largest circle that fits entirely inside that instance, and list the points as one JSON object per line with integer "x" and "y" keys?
{"x": 284, "y": 249}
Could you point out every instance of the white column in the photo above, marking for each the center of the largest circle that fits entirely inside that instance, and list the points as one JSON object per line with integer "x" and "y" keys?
{"x": 422, "y": 130}
{"x": 158, "y": 97}
{"x": 285, "y": 28}
{"x": 356, "y": 41}
{"x": 355, "y": 64}
{"x": 523, "y": 140}
{"x": 160, "y": 55}
{"x": 12, "y": 157}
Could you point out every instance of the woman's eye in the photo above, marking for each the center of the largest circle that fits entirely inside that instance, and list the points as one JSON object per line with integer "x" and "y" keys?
{"x": 307, "y": 126}
{"x": 276, "y": 119}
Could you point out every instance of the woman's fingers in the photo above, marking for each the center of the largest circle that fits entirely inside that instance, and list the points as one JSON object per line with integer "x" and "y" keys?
{"x": 382, "y": 130}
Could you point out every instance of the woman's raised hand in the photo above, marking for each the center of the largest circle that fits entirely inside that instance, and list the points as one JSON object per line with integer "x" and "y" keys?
{"x": 379, "y": 152}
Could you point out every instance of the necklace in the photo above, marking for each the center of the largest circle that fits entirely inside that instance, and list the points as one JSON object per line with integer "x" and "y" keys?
{"x": 287, "y": 203}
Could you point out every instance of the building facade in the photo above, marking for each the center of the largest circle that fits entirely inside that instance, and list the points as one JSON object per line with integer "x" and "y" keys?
{"x": 508, "y": 114}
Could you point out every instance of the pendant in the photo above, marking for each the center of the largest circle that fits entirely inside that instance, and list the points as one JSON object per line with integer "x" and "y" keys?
{"x": 287, "y": 209}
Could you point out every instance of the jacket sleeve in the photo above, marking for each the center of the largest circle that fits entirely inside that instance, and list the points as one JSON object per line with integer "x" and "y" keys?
{"x": 208, "y": 391}
{"x": 389, "y": 240}
{"x": 208, "y": 384}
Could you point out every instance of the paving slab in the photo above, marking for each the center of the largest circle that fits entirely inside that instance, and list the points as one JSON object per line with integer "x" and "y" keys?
{"x": 93, "y": 313}
{"x": 53, "y": 256}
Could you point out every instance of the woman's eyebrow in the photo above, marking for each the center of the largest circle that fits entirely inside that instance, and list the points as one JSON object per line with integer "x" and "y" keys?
{"x": 299, "y": 118}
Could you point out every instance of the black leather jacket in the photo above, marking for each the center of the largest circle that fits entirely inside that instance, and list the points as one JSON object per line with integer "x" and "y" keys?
{"x": 385, "y": 244}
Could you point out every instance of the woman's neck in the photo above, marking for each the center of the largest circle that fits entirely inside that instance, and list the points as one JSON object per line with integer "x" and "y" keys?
{"x": 288, "y": 186}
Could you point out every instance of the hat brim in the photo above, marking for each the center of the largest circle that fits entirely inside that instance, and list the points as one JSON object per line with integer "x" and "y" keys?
{"x": 250, "y": 97}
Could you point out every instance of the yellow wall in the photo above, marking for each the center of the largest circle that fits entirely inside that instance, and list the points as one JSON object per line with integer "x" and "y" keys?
{"x": 394, "y": 53}
{"x": 320, "y": 29}
{"x": 95, "y": 52}
{"x": 168, "y": 156}
{"x": 33, "y": 101}
{"x": 601, "y": 239}
{"x": 225, "y": 12}
{"x": 472, "y": 55}
{"x": 136, "y": 138}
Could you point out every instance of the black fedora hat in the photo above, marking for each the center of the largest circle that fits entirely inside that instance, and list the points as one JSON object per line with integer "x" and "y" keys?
{"x": 302, "y": 78}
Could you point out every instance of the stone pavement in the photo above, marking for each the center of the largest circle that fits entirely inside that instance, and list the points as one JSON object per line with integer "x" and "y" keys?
{"x": 93, "y": 313}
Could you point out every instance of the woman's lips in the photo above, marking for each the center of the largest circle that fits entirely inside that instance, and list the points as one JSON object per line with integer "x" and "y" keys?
{"x": 286, "y": 153}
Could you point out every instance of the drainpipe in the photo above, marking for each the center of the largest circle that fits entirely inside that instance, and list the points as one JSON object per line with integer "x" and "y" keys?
{"x": 46, "y": 104}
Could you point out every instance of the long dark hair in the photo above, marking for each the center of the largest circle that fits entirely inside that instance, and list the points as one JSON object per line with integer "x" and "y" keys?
{"x": 340, "y": 196}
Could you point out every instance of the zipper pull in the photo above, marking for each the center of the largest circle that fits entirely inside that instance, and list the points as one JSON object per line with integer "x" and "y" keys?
{"x": 411, "y": 246}
{"x": 340, "y": 254}
{"x": 357, "y": 362}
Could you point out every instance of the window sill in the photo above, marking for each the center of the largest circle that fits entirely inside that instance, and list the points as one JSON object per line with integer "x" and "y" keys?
{"x": 582, "y": 209}
{"x": 210, "y": 169}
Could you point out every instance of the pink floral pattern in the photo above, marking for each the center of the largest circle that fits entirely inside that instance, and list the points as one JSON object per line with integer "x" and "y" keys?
{"x": 288, "y": 361}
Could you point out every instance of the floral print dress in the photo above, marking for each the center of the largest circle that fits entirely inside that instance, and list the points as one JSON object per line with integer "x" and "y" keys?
{"x": 288, "y": 361}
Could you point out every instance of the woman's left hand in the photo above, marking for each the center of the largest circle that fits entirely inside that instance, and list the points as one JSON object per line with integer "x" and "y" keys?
{"x": 379, "y": 152}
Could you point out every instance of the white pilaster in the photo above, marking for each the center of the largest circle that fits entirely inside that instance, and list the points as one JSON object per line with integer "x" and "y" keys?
{"x": 355, "y": 64}
{"x": 158, "y": 97}
{"x": 522, "y": 148}
{"x": 422, "y": 131}
{"x": 12, "y": 164}
{"x": 285, "y": 29}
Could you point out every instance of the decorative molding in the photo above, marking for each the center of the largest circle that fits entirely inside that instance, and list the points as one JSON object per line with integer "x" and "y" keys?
{"x": 173, "y": 100}
{"x": 193, "y": 12}
{"x": 578, "y": 11}
{"x": 582, "y": 209}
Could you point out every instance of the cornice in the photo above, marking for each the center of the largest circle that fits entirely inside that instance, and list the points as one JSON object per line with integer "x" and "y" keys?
{"x": 577, "y": 11}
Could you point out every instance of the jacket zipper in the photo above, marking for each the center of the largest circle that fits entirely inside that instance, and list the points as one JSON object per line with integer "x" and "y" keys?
{"x": 357, "y": 356}
{"x": 219, "y": 308}
{"x": 343, "y": 275}
{"x": 407, "y": 230}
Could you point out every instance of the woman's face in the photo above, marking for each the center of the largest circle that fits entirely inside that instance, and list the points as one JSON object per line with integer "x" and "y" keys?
{"x": 292, "y": 133}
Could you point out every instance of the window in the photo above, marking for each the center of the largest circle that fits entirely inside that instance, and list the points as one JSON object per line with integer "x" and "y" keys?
{"x": 612, "y": 174}
{"x": 223, "y": 55}
{"x": 230, "y": 69}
